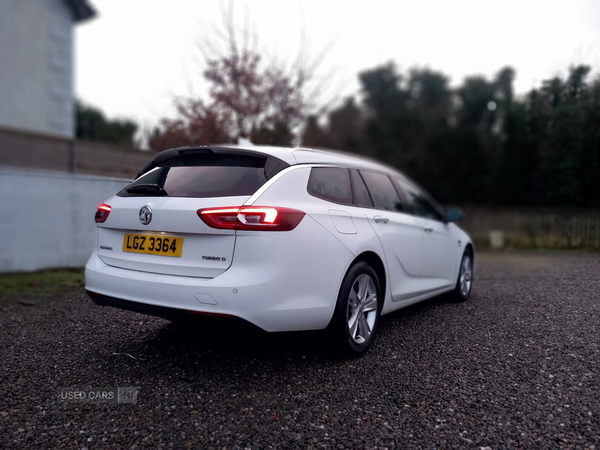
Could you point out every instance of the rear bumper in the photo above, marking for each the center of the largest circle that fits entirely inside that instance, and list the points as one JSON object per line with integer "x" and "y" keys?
{"x": 265, "y": 305}
{"x": 144, "y": 308}
{"x": 158, "y": 311}
{"x": 285, "y": 289}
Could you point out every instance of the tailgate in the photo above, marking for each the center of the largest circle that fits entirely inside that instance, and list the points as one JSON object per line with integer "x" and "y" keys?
{"x": 174, "y": 242}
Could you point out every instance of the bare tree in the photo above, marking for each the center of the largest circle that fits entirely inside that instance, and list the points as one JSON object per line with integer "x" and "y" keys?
{"x": 248, "y": 97}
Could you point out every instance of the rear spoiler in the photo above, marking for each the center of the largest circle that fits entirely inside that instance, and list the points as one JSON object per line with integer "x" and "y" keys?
{"x": 273, "y": 165}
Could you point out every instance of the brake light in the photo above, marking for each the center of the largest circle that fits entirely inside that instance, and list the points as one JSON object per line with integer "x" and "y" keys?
{"x": 102, "y": 213}
{"x": 262, "y": 218}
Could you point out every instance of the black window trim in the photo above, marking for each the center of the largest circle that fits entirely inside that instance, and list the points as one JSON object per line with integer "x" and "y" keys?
{"x": 366, "y": 187}
{"x": 407, "y": 208}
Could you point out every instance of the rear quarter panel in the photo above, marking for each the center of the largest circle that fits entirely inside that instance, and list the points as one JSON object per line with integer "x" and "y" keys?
{"x": 290, "y": 190}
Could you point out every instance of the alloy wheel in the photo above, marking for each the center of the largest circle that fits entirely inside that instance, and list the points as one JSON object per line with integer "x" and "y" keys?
{"x": 466, "y": 276}
{"x": 362, "y": 308}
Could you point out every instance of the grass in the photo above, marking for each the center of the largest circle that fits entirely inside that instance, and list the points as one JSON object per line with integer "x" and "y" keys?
{"x": 32, "y": 284}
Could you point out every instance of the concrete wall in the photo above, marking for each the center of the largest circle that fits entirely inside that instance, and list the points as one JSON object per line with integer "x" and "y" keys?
{"x": 34, "y": 150}
{"x": 47, "y": 219}
{"x": 36, "y": 66}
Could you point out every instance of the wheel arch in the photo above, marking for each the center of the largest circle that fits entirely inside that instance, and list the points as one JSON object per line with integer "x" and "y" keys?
{"x": 338, "y": 324}
{"x": 469, "y": 247}
{"x": 375, "y": 261}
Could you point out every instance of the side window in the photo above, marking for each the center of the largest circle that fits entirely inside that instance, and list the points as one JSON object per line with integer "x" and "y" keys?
{"x": 330, "y": 183}
{"x": 361, "y": 195}
{"x": 382, "y": 191}
{"x": 417, "y": 201}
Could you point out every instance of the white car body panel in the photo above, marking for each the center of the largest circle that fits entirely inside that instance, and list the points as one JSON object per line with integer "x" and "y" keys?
{"x": 279, "y": 281}
{"x": 262, "y": 290}
{"x": 172, "y": 216}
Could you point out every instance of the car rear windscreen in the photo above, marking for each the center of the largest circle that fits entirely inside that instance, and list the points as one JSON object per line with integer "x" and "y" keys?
{"x": 214, "y": 175}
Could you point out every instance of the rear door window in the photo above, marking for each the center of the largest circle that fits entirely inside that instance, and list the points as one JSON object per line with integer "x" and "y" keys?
{"x": 418, "y": 202}
{"x": 382, "y": 191}
{"x": 330, "y": 183}
{"x": 215, "y": 175}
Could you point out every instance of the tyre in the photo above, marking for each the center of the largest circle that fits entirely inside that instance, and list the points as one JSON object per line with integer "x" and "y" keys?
{"x": 464, "y": 284}
{"x": 356, "y": 317}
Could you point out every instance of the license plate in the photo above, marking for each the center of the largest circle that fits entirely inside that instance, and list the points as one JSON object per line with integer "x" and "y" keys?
{"x": 153, "y": 245}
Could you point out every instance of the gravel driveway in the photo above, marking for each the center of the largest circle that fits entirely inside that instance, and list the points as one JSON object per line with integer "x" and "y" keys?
{"x": 517, "y": 366}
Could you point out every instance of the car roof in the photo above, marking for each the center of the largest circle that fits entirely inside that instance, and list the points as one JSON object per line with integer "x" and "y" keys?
{"x": 291, "y": 156}
{"x": 303, "y": 155}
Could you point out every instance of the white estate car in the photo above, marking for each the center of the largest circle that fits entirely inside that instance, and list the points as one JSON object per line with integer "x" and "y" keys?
{"x": 286, "y": 239}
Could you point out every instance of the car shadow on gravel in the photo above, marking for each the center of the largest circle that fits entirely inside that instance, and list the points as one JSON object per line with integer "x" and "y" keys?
{"x": 217, "y": 346}
{"x": 236, "y": 338}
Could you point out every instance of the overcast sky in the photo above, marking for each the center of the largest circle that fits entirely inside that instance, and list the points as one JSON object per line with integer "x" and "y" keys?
{"x": 136, "y": 55}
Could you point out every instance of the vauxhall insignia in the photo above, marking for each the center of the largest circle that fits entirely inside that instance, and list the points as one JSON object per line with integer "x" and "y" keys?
{"x": 145, "y": 215}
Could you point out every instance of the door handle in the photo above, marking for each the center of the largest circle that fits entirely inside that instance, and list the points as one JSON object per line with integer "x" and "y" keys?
{"x": 381, "y": 219}
{"x": 428, "y": 229}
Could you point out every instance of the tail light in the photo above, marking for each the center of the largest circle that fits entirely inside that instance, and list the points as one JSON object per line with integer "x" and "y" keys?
{"x": 262, "y": 218}
{"x": 102, "y": 213}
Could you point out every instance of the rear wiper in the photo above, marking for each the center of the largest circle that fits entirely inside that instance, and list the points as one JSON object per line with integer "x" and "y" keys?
{"x": 146, "y": 189}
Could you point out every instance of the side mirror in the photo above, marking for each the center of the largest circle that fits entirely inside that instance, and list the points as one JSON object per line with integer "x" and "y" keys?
{"x": 453, "y": 215}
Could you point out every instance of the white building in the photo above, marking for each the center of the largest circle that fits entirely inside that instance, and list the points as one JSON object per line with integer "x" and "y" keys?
{"x": 36, "y": 64}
